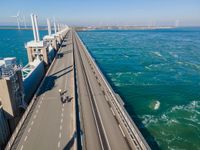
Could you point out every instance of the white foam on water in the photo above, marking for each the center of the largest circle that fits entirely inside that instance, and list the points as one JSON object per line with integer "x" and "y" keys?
{"x": 157, "y": 53}
{"x": 126, "y": 56}
{"x": 157, "y": 105}
{"x": 149, "y": 119}
{"x": 147, "y": 67}
{"x": 180, "y": 62}
{"x": 192, "y": 109}
{"x": 173, "y": 54}
{"x": 156, "y": 65}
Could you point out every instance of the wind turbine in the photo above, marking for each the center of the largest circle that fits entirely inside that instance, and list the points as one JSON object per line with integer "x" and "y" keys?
{"x": 18, "y": 19}
{"x": 24, "y": 19}
{"x": 55, "y": 26}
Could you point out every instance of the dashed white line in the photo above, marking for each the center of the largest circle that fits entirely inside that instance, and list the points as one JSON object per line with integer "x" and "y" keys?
{"x": 61, "y": 120}
{"x": 60, "y": 127}
{"x": 25, "y": 138}
{"x": 32, "y": 122}
{"x": 62, "y": 109}
{"x": 34, "y": 116}
{"x": 60, "y": 135}
{"x": 63, "y": 105}
{"x": 22, "y": 147}
{"x": 29, "y": 130}
{"x": 37, "y": 111}
{"x": 62, "y": 114}
{"x": 39, "y": 106}
{"x": 59, "y": 144}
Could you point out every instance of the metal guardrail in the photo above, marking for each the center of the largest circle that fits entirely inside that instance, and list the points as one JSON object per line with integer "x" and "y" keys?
{"x": 124, "y": 118}
{"x": 21, "y": 122}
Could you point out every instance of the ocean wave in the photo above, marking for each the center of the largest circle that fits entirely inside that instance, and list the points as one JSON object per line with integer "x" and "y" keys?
{"x": 173, "y": 54}
{"x": 126, "y": 56}
{"x": 189, "y": 65}
{"x": 157, "y": 53}
{"x": 119, "y": 74}
{"x": 191, "y": 107}
{"x": 156, "y": 65}
{"x": 147, "y": 67}
{"x": 148, "y": 119}
{"x": 170, "y": 117}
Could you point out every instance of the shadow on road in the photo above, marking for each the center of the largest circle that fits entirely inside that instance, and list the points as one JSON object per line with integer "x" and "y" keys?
{"x": 70, "y": 143}
{"x": 50, "y": 80}
{"x": 62, "y": 70}
{"x": 67, "y": 52}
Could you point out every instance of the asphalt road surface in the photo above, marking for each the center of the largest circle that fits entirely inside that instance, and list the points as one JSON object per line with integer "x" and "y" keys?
{"x": 100, "y": 128}
{"x": 52, "y": 123}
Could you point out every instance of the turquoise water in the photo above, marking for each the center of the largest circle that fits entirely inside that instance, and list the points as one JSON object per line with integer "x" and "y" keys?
{"x": 12, "y": 43}
{"x": 157, "y": 73}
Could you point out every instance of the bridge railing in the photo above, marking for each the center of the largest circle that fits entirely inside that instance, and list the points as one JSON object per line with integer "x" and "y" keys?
{"x": 127, "y": 123}
{"x": 21, "y": 122}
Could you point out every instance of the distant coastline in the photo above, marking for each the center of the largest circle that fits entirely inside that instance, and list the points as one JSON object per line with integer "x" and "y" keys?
{"x": 22, "y": 28}
{"x": 88, "y": 28}
{"x": 122, "y": 28}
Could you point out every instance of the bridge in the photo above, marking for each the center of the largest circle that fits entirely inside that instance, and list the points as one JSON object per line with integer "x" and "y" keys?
{"x": 92, "y": 117}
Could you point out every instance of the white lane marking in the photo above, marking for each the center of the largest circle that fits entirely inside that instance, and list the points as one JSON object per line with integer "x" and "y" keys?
{"x": 32, "y": 122}
{"x": 59, "y": 144}
{"x": 60, "y": 127}
{"x": 39, "y": 106}
{"x": 61, "y": 120}
{"x": 29, "y": 130}
{"x": 25, "y": 139}
{"x": 40, "y": 102}
{"x": 42, "y": 98}
{"x": 36, "y": 111}
{"x": 121, "y": 130}
{"x": 22, "y": 147}
{"x": 34, "y": 116}
{"x": 62, "y": 114}
{"x": 62, "y": 109}
{"x": 60, "y": 135}
{"x": 63, "y": 105}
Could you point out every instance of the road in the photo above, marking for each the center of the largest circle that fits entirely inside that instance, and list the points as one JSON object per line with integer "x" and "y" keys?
{"x": 100, "y": 128}
{"x": 52, "y": 124}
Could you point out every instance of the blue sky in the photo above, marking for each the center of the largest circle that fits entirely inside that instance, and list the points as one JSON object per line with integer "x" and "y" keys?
{"x": 105, "y": 12}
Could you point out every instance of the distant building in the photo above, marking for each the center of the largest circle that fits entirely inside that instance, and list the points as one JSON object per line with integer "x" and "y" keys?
{"x": 4, "y": 129}
{"x": 11, "y": 90}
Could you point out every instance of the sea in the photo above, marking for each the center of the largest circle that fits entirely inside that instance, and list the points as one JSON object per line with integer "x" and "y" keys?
{"x": 12, "y": 43}
{"x": 156, "y": 72}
